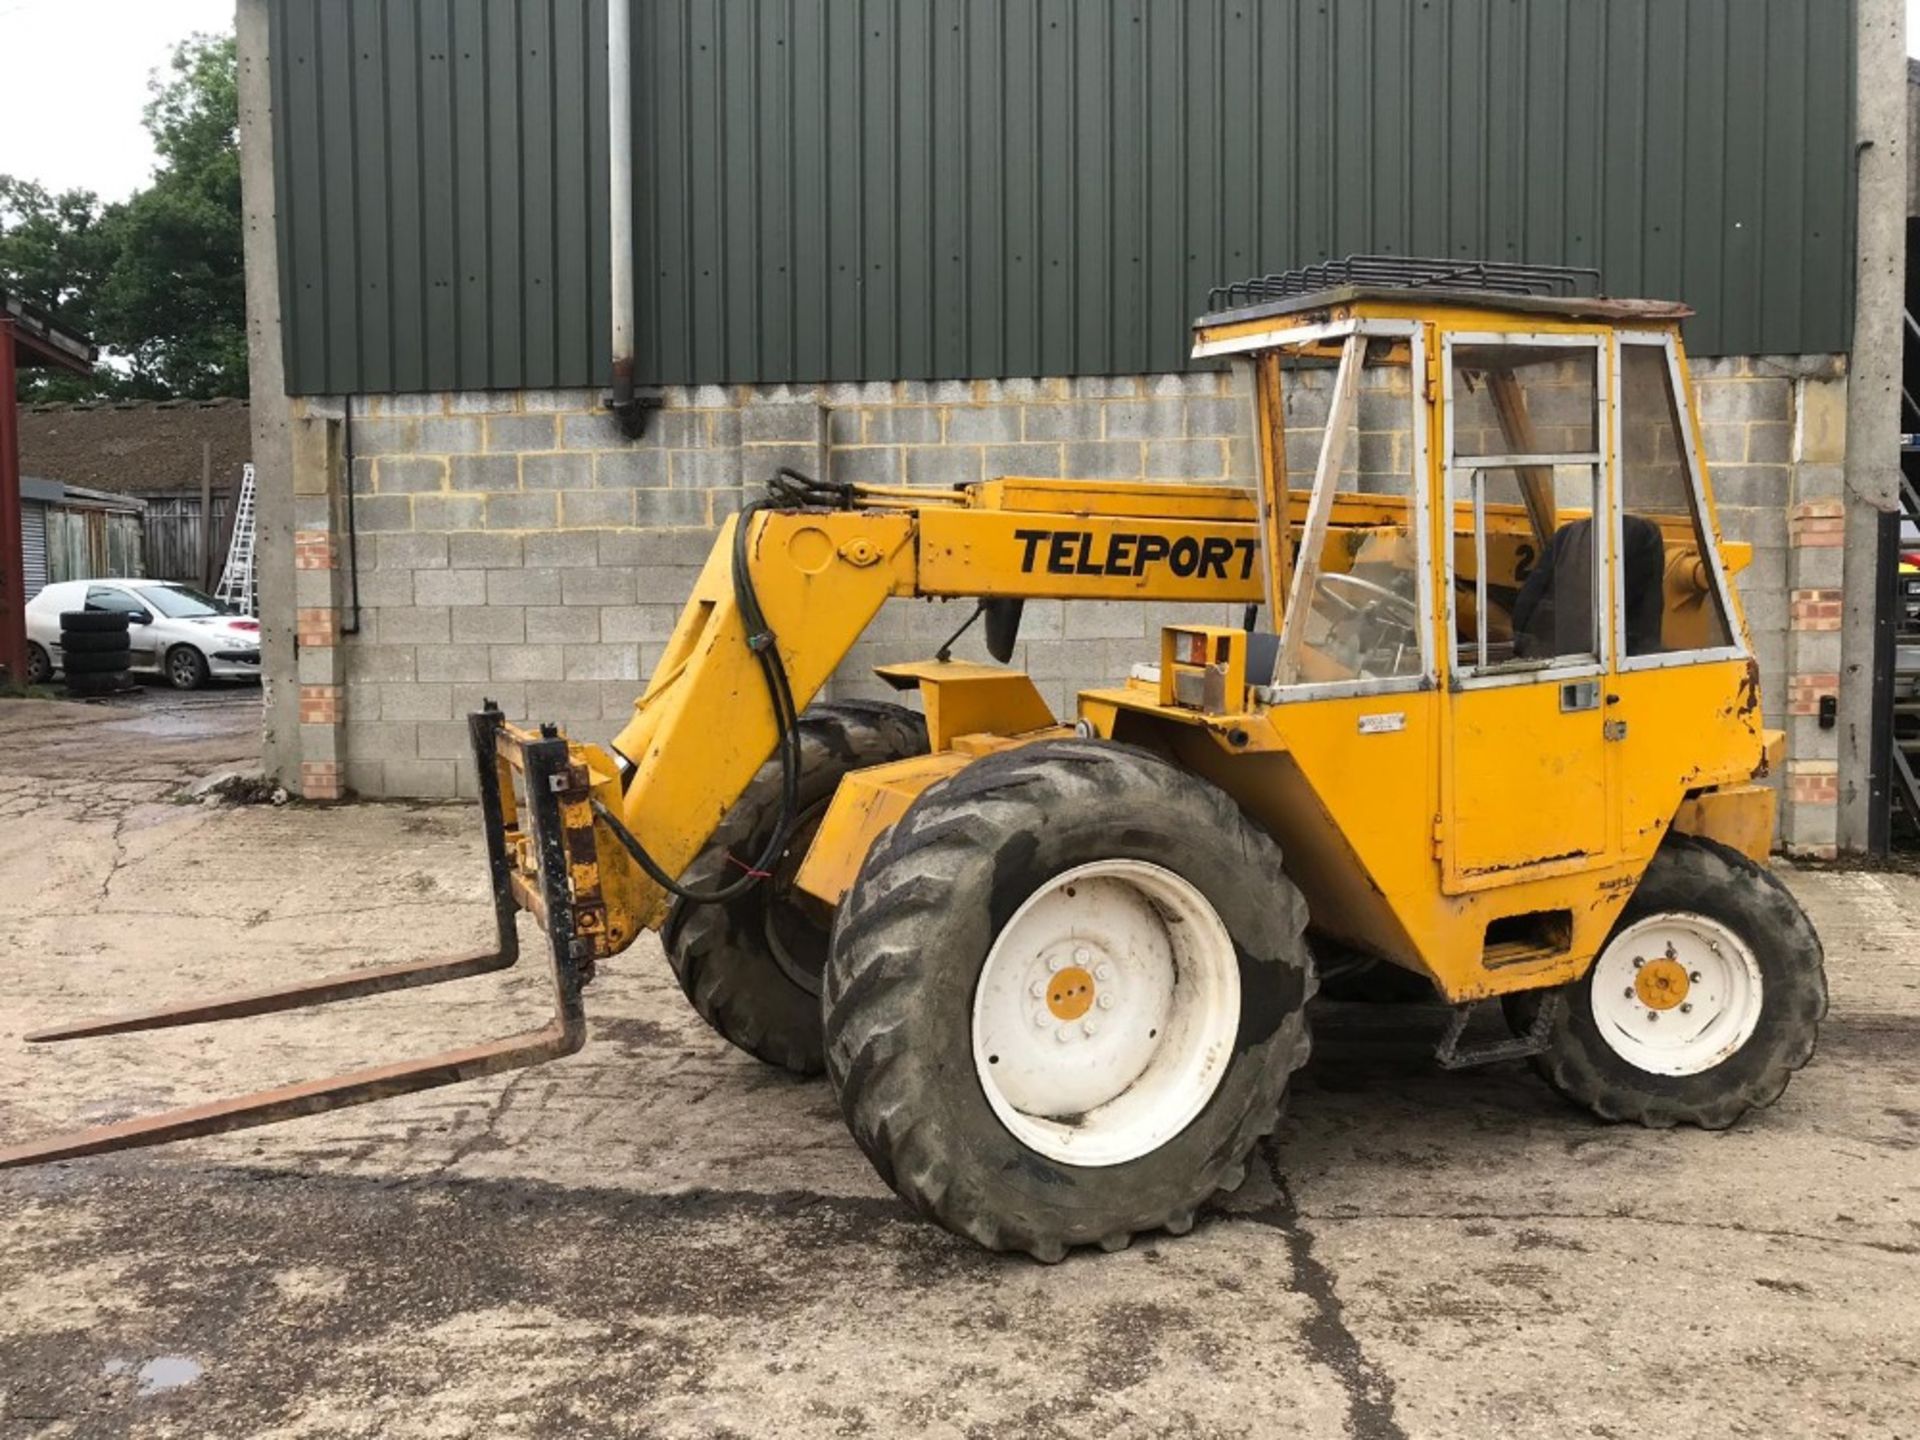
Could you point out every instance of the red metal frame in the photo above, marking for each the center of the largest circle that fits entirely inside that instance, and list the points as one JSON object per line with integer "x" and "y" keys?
{"x": 22, "y": 328}
{"x": 13, "y": 562}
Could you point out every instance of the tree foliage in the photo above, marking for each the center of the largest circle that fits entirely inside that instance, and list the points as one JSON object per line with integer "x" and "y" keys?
{"x": 157, "y": 280}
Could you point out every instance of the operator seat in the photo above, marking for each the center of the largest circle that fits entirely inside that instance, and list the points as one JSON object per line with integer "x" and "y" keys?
{"x": 1553, "y": 613}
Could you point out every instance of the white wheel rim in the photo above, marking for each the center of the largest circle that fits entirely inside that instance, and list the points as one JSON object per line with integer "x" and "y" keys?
{"x": 1105, "y": 1013}
{"x": 1676, "y": 993}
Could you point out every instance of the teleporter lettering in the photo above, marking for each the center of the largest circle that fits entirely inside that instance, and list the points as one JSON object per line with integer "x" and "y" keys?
{"x": 1081, "y": 552}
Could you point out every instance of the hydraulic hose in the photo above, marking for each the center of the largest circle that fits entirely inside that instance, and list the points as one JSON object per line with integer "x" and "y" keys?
{"x": 789, "y": 489}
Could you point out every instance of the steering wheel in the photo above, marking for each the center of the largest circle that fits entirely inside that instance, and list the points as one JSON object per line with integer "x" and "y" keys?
{"x": 1371, "y": 599}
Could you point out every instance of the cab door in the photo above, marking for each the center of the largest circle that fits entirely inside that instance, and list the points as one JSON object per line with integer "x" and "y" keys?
{"x": 1526, "y": 790}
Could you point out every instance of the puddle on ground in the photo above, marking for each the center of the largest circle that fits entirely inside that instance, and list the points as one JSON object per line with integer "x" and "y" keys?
{"x": 158, "y": 1375}
{"x": 162, "y": 725}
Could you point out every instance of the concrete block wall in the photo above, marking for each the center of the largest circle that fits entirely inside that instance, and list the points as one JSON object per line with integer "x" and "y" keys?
{"x": 1774, "y": 432}
{"x": 516, "y": 546}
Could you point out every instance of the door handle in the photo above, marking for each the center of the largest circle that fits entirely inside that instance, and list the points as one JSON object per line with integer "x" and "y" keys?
{"x": 1577, "y": 695}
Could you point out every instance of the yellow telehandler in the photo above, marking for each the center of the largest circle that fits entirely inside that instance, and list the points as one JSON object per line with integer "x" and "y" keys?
{"x": 1503, "y": 735}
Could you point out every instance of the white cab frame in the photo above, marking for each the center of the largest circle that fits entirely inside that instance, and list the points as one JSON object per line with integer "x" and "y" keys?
{"x": 1320, "y": 504}
{"x": 1459, "y": 469}
{"x": 1706, "y": 529}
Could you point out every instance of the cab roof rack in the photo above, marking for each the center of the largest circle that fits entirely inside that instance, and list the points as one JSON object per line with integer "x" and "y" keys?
{"x": 1402, "y": 272}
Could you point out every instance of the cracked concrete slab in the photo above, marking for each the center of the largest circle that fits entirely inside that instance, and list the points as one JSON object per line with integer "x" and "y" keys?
{"x": 660, "y": 1237}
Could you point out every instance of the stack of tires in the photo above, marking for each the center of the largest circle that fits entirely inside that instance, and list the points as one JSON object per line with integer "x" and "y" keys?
{"x": 96, "y": 652}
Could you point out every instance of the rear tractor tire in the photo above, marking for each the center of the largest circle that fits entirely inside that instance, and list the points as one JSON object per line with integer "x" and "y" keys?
{"x": 752, "y": 966}
{"x": 1065, "y": 996}
{"x": 1704, "y": 1001}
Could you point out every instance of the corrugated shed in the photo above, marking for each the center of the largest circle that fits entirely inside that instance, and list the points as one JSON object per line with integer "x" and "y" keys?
{"x": 882, "y": 189}
{"x": 33, "y": 545}
{"x": 440, "y": 173}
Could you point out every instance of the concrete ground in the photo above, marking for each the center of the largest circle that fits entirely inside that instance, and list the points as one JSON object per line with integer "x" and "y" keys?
{"x": 660, "y": 1237}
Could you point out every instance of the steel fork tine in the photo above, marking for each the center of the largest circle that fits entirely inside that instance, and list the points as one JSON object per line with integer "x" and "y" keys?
{"x": 311, "y": 1097}
{"x": 348, "y": 985}
{"x": 569, "y": 956}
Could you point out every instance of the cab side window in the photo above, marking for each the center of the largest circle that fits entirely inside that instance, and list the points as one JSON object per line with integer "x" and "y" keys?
{"x": 1669, "y": 599}
{"x": 1525, "y": 466}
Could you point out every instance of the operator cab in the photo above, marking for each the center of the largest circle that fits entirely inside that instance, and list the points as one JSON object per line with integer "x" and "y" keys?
{"x": 1488, "y": 546}
{"x": 1543, "y": 410}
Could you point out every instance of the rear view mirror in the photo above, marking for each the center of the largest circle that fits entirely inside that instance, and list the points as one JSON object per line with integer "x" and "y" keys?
{"x": 1003, "y": 627}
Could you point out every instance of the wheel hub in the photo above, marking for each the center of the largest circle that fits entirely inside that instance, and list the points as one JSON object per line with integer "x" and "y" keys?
{"x": 1105, "y": 1011}
{"x": 1071, "y": 991}
{"x": 1661, "y": 983}
{"x": 1675, "y": 993}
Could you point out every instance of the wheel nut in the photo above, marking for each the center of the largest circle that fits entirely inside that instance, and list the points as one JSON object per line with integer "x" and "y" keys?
{"x": 1105, "y": 1002}
{"x": 1056, "y": 962}
{"x": 1041, "y": 1019}
{"x": 1638, "y": 961}
{"x": 1037, "y": 989}
{"x": 1686, "y": 1007}
{"x": 1081, "y": 955}
{"x": 1652, "y": 1015}
{"x": 1694, "y": 976}
{"x": 1063, "y": 1035}
{"x": 1628, "y": 992}
{"x": 1103, "y": 971}
{"x": 1088, "y": 1028}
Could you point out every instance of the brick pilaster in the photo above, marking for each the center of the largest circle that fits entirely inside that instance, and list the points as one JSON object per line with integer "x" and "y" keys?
{"x": 319, "y": 591}
{"x": 322, "y": 704}
{"x": 1805, "y": 692}
{"x": 315, "y": 627}
{"x": 322, "y": 780}
{"x": 1814, "y": 609}
{"x": 1817, "y": 524}
{"x": 315, "y": 550}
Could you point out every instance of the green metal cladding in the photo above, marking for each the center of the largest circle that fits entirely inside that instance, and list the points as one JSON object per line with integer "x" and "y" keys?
{"x": 440, "y": 175}
{"x": 926, "y": 189}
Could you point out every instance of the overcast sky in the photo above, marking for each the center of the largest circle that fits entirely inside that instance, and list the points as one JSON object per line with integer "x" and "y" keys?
{"x": 75, "y": 83}
{"x": 76, "y": 80}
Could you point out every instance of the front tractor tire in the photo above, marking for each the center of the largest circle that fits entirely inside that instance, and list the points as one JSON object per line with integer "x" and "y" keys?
{"x": 1704, "y": 1001}
{"x": 752, "y": 965}
{"x": 1065, "y": 996}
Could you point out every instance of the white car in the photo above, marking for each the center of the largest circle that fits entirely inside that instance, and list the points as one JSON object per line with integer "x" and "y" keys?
{"x": 174, "y": 630}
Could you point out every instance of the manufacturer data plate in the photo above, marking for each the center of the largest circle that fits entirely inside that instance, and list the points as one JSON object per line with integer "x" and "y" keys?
{"x": 1383, "y": 724}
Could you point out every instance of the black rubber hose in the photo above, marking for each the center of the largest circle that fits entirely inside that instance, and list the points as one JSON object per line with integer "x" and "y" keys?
{"x": 789, "y": 488}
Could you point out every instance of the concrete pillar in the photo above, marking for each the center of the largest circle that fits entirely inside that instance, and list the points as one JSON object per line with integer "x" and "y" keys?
{"x": 272, "y": 440}
{"x": 1873, "y": 388}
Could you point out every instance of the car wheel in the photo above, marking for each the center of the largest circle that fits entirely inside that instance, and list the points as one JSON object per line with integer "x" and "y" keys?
{"x": 39, "y": 666}
{"x": 186, "y": 668}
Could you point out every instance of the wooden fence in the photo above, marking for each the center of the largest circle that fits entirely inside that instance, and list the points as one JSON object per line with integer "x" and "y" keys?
{"x": 174, "y": 529}
{"x": 83, "y": 544}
